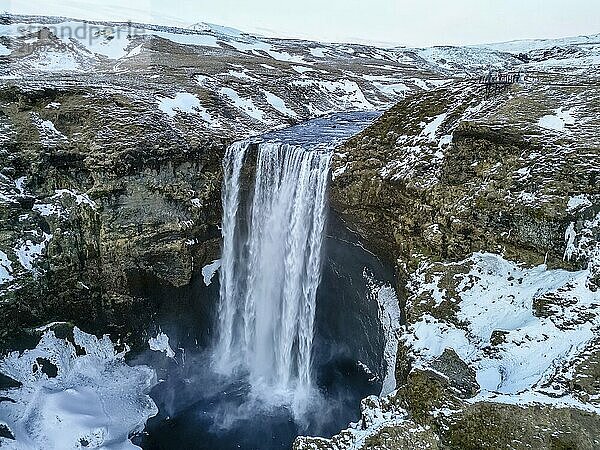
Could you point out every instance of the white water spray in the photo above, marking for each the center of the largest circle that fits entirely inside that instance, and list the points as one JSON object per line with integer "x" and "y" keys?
{"x": 272, "y": 268}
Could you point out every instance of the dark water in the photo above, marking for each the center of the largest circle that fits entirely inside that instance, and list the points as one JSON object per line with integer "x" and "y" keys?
{"x": 202, "y": 410}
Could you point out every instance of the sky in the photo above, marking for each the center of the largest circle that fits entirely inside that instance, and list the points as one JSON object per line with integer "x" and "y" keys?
{"x": 414, "y": 23}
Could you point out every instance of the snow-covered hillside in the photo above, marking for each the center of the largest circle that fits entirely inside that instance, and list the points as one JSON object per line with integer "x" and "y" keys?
{"x": 213, "y": 72}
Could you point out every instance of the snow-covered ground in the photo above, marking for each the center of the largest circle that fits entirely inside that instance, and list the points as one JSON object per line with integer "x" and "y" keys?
{"x": 499, "y": 328}
{"x": 85, "y": 398}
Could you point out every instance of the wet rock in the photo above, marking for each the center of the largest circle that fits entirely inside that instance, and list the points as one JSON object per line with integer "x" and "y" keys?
{"x": 461, "y": 377}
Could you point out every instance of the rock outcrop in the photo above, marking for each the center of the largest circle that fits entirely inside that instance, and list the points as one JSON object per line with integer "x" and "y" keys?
{"x": 489, "y": 208}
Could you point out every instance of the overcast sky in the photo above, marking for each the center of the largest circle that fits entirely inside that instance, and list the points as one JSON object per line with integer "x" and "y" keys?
{"x": 382, "y": 22}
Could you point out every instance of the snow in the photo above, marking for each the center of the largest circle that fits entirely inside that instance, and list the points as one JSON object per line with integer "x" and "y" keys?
{"x": 244, "y": 104}
{"x": 578, "y": 202}
{"x": 20, "y": 185}
{"x": 79, "y": 198}
{"x": 278, "y": 104}
{"x": 557, "y": 121}
{"x": 47, "y": 209}
{"x": 161, "y": 344}
{"x": 285, "y": 56}
{"x": 28, "y": 252}
{"x": 496, "y": 294}
{"x": 242, "y": 75}
{"x": 4, "y": 51}
{"x": 302, "y": 69}
{"x": 48, "y": 125}
{"x": 48, "y": 326}
{"x": 393, "y": 89}
{"x": 201, "y": 40}
{"x": 208, "y": 271}
{"x": 51, "y": 61}
{"x": 388, "y": 85}
{"x": 430, "y": 129}
{"x": 252, "y": 46}
{"x": 377, "y": 413}
{"x": 182, "y": 102}
{"x": 186, "y": 103}
{"x": 5, "y": 268}
{"x": 390, "y": 319}
{"x": 319, "y": 52}
{"x": 348, "y": 94}
{"x": 95, "y": 398}
{"x": 134, "y": 51}
{"x": 527, "y": 45}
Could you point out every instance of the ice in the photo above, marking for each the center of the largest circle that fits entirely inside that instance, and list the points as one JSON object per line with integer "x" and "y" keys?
{"x": 92, "y": 400}
{"x": 209, "y": 271}
{"x": 390, "y": 318}
{"x": 161, "y": 344}
{"x": 570, "y": 236}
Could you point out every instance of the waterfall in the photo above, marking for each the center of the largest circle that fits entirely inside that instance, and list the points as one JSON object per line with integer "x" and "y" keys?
{"x": 271, "y": 267}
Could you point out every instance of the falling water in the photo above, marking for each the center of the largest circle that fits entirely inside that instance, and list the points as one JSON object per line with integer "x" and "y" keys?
{"x": 271, "y": 267}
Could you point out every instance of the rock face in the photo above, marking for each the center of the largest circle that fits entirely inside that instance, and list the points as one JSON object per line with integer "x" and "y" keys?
{"x": 111, "y": 147}
{"x": 116, "y": 192}
{"x": 449, "y": 173}
{"x": 489, "y": 208}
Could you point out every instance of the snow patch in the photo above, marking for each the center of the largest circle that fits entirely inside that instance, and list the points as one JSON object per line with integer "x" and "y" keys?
{"x": 5, "y": 268}
{"x": 209, "y": 271}
{"x": 302, "y": 69}
{"x": 430, "y": 129}
{"x": 182, "y": 102}
{"x": 557, "y": 121}
{"x": 319, "y": 52}
{"x": 498, "y": 295}
{"x": 28, "y": 252}
{"x": 160, "y": 343}
{"x": 578, "y": 202}
{"x": 79, "y": 198}
{"x": 95, "y": 397}
{"x": 244, "y": 104}
{"x": 278, "y": 104}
